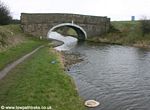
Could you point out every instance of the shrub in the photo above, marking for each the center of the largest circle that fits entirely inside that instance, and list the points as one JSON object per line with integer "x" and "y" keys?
{"x": 5, "y": 17}
{"x": 15, "y": 21}
{"x": 112, "y": 29}
{"x": 145, "y": 26}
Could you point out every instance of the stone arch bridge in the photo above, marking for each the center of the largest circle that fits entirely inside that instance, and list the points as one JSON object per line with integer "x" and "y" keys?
{"x": 41, "y": 24}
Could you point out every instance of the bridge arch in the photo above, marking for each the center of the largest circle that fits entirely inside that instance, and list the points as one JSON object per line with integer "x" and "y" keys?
{"x": 79, "y": 30}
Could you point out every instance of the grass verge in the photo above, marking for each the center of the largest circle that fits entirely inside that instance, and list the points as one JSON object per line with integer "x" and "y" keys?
{"x": 38, "y": 82}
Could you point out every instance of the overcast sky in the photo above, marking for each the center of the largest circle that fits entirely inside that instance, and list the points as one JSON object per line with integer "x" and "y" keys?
{"x": 115, "y": 9}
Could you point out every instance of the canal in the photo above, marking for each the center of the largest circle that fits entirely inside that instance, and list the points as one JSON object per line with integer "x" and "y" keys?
{"x": 116, "y": 76}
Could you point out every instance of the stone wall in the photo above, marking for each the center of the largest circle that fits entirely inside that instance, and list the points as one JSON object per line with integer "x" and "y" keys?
{"x": 39, "y": 24}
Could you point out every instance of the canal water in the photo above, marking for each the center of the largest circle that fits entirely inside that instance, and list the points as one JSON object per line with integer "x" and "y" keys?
{"x": 116, "y": 76}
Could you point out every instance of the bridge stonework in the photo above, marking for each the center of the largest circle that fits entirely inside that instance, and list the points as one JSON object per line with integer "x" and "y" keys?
{"x": 39, "y": 24}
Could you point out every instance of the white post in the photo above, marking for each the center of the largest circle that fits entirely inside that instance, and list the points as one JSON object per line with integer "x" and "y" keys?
{"x": 72, "y": 22}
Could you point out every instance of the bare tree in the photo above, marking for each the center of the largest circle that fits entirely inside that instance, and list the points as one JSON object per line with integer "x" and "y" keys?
{"x": 5, "y": 17}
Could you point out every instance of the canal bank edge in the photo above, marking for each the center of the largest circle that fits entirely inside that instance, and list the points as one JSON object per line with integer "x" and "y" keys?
{"x": 66, "y": 61}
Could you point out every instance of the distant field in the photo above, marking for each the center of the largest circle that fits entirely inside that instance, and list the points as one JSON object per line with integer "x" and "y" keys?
{"x": 129, "y": 33}
{"x": 125, "y": 25}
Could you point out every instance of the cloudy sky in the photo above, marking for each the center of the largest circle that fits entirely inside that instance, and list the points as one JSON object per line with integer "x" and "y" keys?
{"x": 115, "y": 9}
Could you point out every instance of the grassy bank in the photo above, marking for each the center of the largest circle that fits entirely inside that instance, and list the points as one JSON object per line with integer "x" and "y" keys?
{"x": 14, "y": 44}
{"x": 129, "y": 33}
{"x": 11, "y": 35}
{"x": 16, "y": 52}
{"x": 38, "y": 82}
